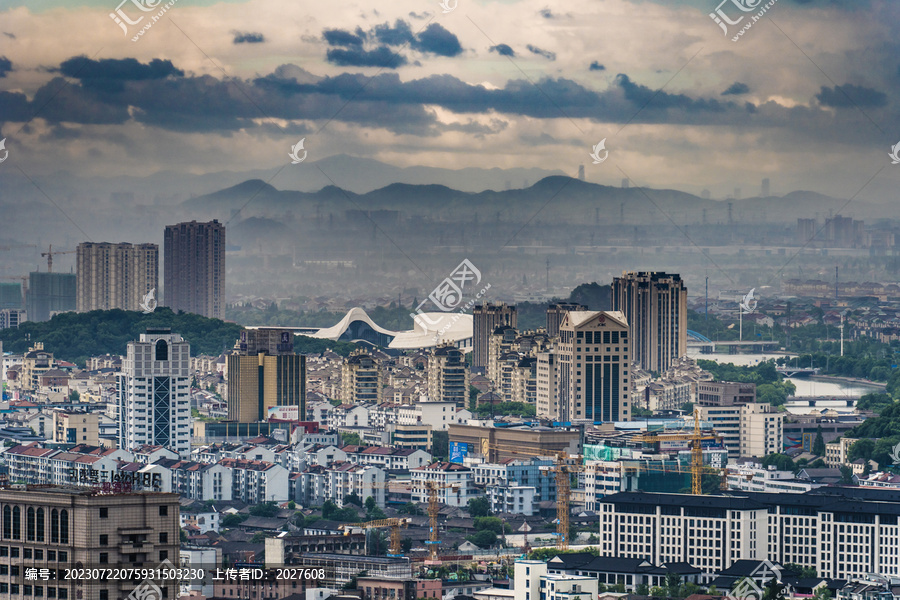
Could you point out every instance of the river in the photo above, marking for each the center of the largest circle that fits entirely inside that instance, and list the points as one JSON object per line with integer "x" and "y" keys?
{"x": 806, "y": 386}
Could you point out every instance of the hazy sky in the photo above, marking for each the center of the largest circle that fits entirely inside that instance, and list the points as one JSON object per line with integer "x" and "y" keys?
{"x": 808, "y": 96}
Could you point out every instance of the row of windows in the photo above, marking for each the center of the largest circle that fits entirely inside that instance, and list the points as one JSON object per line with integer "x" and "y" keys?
{"x": 35, "y": 529}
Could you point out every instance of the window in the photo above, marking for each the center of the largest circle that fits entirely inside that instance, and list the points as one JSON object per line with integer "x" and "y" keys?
{"x": 104, "y": 539}
{"x": 104, "y": 558}
{"x": 26, "y": 553}
{"x": 64, "y": 594}
{"x": 63, "y": 526}
{"x": 163, "y": 554}
{"x": 164, "y": 537}
{"x": 104, "y": 512}
{"x": 40, "y": 525}
{"x": 104, "y": 594}
{"x": 7, "y": 522}
{"x": 30, "y": 524}
{"x": 51, "y": 555}
{"x": 38, "y": 555}
{"x": 54, "y": 526}
{"x": 63, "y": 556}
{"x": 14, "y": 552}
{"x": 17, "y": 523}
{"x": 163, "y": 511}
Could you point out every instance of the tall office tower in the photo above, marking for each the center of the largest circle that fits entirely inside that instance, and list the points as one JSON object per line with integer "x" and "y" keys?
{"x": 115, "y": 275}
{"x": 49, "y": 294}
{"x": 655, "y": 307}
{"x": 264, "y": 372}
{"x": 593, "y": 356}
{"x": 556, "y": 312}
{"x": 488, "y": 317}
{"x": 448, "y": 376}
{"x": 194, "y": 272}
{"x": 153, "y": 395}
{"x": 62, "y": 527}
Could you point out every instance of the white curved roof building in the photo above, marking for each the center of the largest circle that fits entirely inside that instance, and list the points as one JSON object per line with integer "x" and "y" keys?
{"x": 430, "y": 330}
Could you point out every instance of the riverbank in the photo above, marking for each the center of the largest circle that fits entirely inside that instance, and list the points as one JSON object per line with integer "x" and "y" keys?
{"x": 852, "y": 380}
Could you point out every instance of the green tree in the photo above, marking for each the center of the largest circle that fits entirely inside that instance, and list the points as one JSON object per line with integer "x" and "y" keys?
{"x": 846, "y": 475}
{"x": 781, "y": 462}
{"x": 410, "y": 508}
{"x": 861, "y": 449}
{"x": 657, "y": 592}
{"x": 642, "y": 589}
{"x": 483, "y": 539}
{"x": 440, "y": 444}
{"x": 818, "y": 447}
{"x": 479, "y": 507}
{"x": 673, "y": 583}
{"x": 354, "y": 499}
{"x": 350, "y": 439}
{"x": 74, "y": 396}
{"x": 774, "y": 590}
{"x": 258, "y": 538}
{"x": 494, "y": 524}
{"x": 800, "y": 570}
{"x": 264, "y": 509}
{"x": 822, "y": 593}
{"x": 233, "y": 520}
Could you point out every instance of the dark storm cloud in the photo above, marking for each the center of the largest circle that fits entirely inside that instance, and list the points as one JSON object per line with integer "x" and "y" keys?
{"x": 372, "y": 48}
{"x": 110, "y": 74}
{"x": 736, "y": 89}
{"x": 248, "y": 38}
{"x": 502, "y": 50}
{"x": 848, "y": 95}
{"x": 5, "y": 66}
{"x": 437, "y": 40}
{"x": 398, "y": 35}
{"x": 206, "y": 104}
{"x": 125, "y": 69}
{"x": 596, "y": 66}
{"x": 357, "y": 57}
{"x": 541, "y": 52}
{"x": 340, "y": 37}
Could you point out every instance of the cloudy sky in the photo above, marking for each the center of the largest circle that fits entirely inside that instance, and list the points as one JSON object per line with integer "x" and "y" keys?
{"x": 807, "y": 96}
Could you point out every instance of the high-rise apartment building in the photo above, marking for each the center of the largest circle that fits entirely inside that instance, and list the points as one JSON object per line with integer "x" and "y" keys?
{"x": 547, "y": 397}
{"x": 593, "y": 358}
{"x": 264, "y": 372}
{"x": 11, "y": 296}
{"x": 655, "y": 306}
{"x": 115, "y": 275}
{"x": 747, "y": 430}
{"x": 448, "y": 376}
{"x": 64, "y": 527}
{"x": 486, "y": 318}
{"x": 194, "y": 273}
{"x": 49, "y": 294}
{"x": 556, "y": 312}
{"x": 153, "y": 393}
{"x": 361, "y": 379}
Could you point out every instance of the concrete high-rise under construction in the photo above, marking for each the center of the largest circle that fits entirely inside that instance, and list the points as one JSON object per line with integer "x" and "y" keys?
{"x": 194, "y": 272}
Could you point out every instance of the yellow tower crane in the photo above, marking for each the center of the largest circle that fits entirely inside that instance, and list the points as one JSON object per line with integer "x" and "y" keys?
{"x": 434, "y": 508}
{"x": 50, "y": 253}
{"x": 563, "y": 470}
{"x": 696, "y": 437}
{"x": 395, "y": 525}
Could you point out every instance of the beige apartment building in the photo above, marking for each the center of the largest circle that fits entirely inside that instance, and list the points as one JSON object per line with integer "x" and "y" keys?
{"x": 115, "y": 275}
{"x": 76, "y": 428}
{"x": 59, "y": 527}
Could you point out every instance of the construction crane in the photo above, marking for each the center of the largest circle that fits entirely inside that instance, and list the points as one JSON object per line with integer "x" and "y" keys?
{"x": 50, "y": 253}
{"x": 563, "y": 470}
{"x": 395, "y": 525}
{"x": 434, "y": 508}
{"x": 697, "y": 438}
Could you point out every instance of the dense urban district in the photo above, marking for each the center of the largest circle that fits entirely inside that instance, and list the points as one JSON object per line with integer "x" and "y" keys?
{"x": 628, "y": 440}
